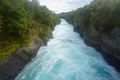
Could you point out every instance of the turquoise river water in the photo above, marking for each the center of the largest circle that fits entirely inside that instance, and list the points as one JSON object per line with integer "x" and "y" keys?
{"x": 67, "y": 57}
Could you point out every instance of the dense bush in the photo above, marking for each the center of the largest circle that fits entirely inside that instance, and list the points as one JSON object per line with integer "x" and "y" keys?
{"x": 102, "y": 15}
{"x": 20, "y": 20}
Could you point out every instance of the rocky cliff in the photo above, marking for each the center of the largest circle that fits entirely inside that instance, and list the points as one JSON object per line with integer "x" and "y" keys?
{"x": 98, "y": 24}
{"x": 108, "y": 46}
{"x": 25, "y": 25}
{"x": 17, "y": 61}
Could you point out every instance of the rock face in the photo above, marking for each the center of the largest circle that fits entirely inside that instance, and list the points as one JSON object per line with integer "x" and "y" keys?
{"x": 99, "y": 25}
{"x": 109, "y": 46}
{"x": 10, "y": 68}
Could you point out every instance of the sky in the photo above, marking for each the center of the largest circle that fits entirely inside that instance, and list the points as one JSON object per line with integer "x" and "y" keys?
{"x": 59, "y": 6}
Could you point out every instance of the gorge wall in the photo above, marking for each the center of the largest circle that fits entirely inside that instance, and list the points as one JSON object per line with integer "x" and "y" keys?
{"x": 24, "y": 27}
{"x": 98, "y": 24}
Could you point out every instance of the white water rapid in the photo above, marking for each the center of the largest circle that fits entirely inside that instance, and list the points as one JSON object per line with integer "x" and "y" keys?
{"x": 66, "y": 57}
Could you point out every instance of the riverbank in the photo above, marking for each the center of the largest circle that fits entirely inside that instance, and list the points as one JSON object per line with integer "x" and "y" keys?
{"x": 110, "y": 53}
{"x": 11, "y": 67}
{"x": 107, "y": 54}
{"x": 106, "y": 47}
{"x": 25, "y": 26}
{"x": 98, "y": 24}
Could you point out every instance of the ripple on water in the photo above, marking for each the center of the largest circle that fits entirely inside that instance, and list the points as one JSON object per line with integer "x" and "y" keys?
{"x": 66, "y": 57}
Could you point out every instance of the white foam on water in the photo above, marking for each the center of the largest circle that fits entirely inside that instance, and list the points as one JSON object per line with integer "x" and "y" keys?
{"x": 66, "y": 57}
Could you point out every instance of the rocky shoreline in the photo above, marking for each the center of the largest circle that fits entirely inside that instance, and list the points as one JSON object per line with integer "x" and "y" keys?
{"x": 10, "y": 68}
{"x": 108, "y": 47}
{"x": 98, "y": 24}
{"x": 107, "y": 54}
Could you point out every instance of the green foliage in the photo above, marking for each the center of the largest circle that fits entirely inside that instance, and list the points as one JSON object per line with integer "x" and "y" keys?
{"x": 102, "y": 15}
{"x": 20, "y": 20}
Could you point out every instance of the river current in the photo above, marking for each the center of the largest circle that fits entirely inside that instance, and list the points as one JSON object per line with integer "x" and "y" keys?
{"x": 67, "y": 57}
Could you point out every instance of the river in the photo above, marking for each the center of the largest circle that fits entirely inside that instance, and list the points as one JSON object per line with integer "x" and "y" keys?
{"x": 67, "y": 57}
